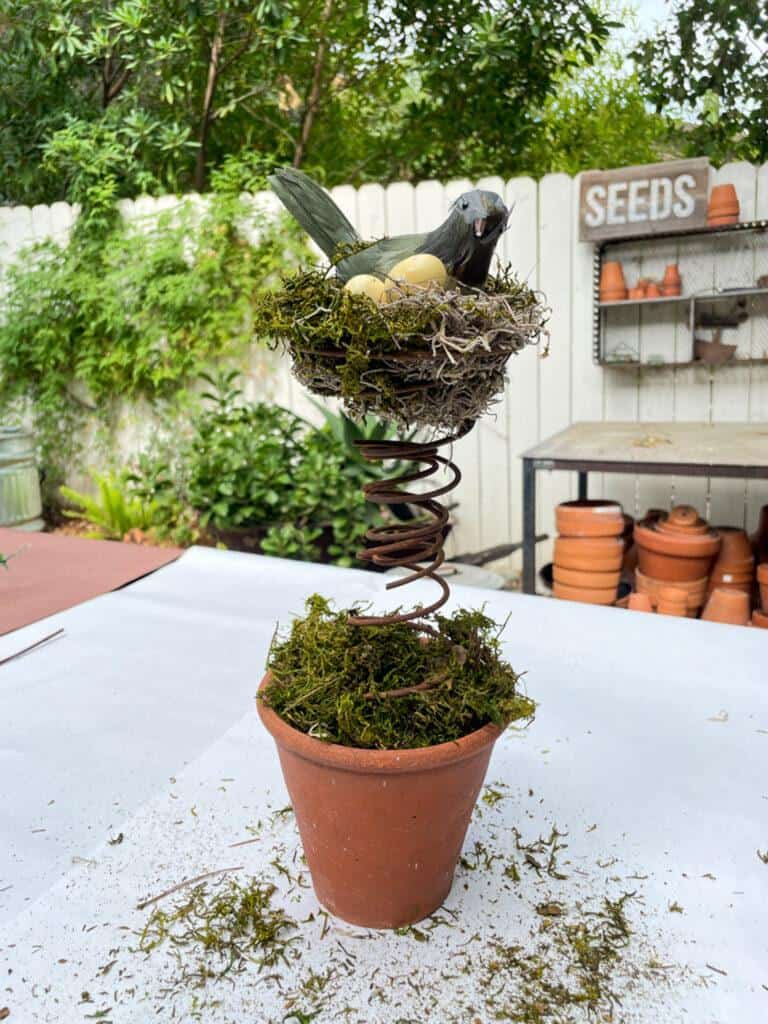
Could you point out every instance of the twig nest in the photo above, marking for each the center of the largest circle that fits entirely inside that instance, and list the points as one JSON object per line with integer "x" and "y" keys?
{"x": 432, "y": 355}
{"x": 412, "y": 274}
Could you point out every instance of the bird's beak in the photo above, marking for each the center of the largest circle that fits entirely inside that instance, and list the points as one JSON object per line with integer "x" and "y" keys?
{"x": 479, "y": 224}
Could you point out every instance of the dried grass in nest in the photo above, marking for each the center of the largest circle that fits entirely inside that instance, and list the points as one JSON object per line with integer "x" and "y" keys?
{"x": 434, "y": 358}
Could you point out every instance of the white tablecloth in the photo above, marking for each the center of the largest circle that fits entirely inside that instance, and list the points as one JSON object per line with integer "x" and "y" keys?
{"x": 650, "y": 748}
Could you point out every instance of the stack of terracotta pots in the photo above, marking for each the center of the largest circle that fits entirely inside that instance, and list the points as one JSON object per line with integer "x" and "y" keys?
{"x": 760, "y": 547}
{"x": 675, "y": 551}
{"x": 588, "y": 551}
{"x": 735, "y": 565}
{"x": 723, "y": 206}
{"x": 613, "y": 287}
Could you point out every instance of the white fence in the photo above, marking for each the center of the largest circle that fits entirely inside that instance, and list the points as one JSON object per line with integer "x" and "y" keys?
{"x": 542, "y": 395}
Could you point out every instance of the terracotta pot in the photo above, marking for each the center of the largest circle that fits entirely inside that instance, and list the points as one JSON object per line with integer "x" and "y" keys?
{"x": 682, "y": 519}
{"x": 760, "y": 619}
{"x": 582, "y": 578}
{"x": 653, "y": 291}
{"x": 669, "y": 291}
{"x": 613, "y": 287}
{"x": 723, "y": 205}
{"x": 671, "y": 284}
{"x": 675, "y": 548}
{"x": 759, "y": 538}
{"x": 695, "y": 590}
{"x": 584, "y": 594}
{"x": 636, "y": 293}
{"x": 640, "y": 603}
{"x": 735, "y": 546}
{"x": 672, "y": 601}
{"x": 729, "y": 606}
{"x": 589, "y": 518}
{"x": 594, "y": 554}
{"x": 762, "y": 580}
{"x": 382, "y": 830}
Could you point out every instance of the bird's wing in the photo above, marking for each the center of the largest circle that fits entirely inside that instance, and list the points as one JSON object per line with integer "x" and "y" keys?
{"x": 314, "y": 209}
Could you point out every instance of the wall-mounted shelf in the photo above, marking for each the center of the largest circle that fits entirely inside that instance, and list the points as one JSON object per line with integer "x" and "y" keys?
{"x": 719, "y": 267}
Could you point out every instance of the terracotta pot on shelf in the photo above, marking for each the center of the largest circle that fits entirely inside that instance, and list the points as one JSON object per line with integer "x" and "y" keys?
{"x": 672, "y": 601}
{"x": 589, "y": 518}
{"x": 759, "y": 538}
{"x": 613, "y": 287}
{"x": 593, "y": 554}
{"x": 671, "y": 283}
{"x": 636, "y": 293}
{"x": 676, "y": 548}
{"x": 760, "y": 619}
{"x": 735, "y": 547}
{"x": 587, "y": 595}
{"x": 729, "y": 606}
{"x": 723, "y": 206}
{"x": 583, "y": 578}
{"x": 762, "y": 582}
{"x": 653, "y": 291}
{"x": 382, "y": 830}
{"x": 640, "y": 603}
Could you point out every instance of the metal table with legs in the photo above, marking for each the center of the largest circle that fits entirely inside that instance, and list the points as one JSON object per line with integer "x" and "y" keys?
{"x": 655, "y": 449}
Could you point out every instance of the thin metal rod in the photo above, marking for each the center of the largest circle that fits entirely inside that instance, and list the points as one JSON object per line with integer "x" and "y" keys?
{"x": 529, "y": 526}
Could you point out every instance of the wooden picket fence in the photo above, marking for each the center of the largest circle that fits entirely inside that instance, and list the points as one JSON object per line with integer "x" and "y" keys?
{"x": 543, "y": 395}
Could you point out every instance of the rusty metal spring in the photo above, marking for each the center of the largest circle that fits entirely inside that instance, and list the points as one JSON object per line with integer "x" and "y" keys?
{"x": 406, "y": 545}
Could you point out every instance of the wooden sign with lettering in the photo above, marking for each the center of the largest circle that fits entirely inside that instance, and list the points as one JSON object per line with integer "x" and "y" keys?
{"x": 645, "y": 200}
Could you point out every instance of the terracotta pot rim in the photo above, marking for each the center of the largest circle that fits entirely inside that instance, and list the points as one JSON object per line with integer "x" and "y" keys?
{"x": 676, "y": 545}
{"x": 364, "y": 761}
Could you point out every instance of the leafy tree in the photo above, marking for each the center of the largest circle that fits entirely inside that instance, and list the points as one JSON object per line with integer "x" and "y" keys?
{"x": 710, "y": 60}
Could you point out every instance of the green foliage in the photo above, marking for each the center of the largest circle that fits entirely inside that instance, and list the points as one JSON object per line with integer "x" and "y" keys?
{"x": 708, "y": 60}
{"x": 336, "y": 681}
{"x": 260, "y": 467}
{"x": 134, "y": 315}
{"x": 114, "y": 512}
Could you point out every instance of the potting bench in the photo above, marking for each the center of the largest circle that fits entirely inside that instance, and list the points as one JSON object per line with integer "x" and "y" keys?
{"x": 133, "y": 760}
{"x": 659, "y": 449}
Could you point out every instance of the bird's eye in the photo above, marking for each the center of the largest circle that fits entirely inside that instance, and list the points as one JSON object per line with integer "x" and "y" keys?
{"x": 464, "y": 204}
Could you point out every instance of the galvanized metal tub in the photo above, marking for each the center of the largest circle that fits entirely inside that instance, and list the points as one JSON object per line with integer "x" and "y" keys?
{"x": 20, "y": 504}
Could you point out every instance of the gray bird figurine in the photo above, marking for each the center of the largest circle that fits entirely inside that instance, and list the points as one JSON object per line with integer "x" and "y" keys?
{"x": 464, "y": 242}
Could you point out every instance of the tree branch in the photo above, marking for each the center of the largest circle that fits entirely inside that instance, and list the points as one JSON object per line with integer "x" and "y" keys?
{"x": 210, "y": 91}
{"x": 313, "y": 99}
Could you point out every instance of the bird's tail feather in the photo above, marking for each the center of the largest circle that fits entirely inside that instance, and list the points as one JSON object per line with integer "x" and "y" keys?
{"x": 313, "y": 208}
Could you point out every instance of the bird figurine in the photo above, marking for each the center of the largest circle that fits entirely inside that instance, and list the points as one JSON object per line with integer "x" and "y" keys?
{"x": 464, "y": 242}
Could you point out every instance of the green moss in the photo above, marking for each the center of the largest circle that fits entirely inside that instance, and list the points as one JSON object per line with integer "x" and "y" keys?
{"x": 334, "y": 680}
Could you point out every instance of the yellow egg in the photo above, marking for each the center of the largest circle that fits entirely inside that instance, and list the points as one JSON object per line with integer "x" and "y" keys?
{"x": 417, "y": 271}
{"x": 365, "y": 284}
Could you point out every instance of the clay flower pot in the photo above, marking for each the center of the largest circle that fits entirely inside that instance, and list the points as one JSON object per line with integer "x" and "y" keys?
{"x": 760, "y": 537}
{"x": 672, "y": 601}
{"x": 762, "y": 580}
{"x": 730, "y": 606}
{"x": 636, "y": 293}
{"x": 588, "y": 595}
{"x": 695, "y": 590}
{"x": 640, "y": 603}
{"x": 760, "y": 619}
{"x": 382, "y": 830}
{"x": 735, "y": 548}
{"x": 595, "y": 518}
{"x": 676, "y": 548}
{"x": 723, "y": 206}
{"x": 581, "y": 578}
{"x": 671, "y": 284}
{"x": 593, "y": 554}
{"x": 613, "y": 287}
{"x": 653, "y": 291}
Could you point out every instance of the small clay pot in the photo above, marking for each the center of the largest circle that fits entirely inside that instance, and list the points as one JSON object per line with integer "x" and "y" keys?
{"x": 582, "y": 578}
{"x": 672, "y": 601}
{"x": 671, "y": 283}
{"x": 613, "y": 287}
{"x": 723, "y": 206}
{"x": 759, "y": 538}
{"x": 730, "y": 606}
{"x": 653, "y": 291}
{"x": 762, "y": 580}
{"x": 760, "y": 619}
{"x": 589, "y": 518}
{"x": 593, "y": 554}
{"x": 682, "y": 519}
{"x": 636, "y": 293}
{"x": 584, "y": 594}
{"x": 676, "y": 556}
{"x": 382, "y": 830}
{"x": 640, "y": 603}
{"x": 734, "y": 547}
{"x": 695, "y": 590}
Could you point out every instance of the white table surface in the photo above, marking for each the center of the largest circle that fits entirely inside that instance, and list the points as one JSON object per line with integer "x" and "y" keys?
{"x": 650, "y": 749}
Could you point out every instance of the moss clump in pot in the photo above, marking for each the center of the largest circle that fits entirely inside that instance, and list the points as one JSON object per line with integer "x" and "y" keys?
{"x": 385, "y": 687}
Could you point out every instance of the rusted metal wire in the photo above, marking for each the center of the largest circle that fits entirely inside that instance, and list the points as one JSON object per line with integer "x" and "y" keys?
{"x": 408, "y": 545}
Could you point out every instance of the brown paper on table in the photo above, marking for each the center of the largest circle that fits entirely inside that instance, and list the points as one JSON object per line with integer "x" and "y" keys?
{"x": 54, "y": 572}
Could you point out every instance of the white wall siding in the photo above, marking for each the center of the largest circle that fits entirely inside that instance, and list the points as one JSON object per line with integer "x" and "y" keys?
{"x": 541, "y": 395}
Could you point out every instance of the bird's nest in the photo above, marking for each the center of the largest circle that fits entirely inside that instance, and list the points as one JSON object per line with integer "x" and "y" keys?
{"x": 434, "y": 358}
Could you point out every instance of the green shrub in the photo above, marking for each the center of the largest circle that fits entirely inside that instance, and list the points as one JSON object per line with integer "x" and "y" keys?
{"x": 113, "y": 511}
